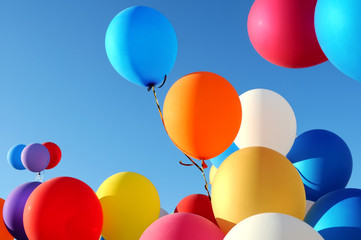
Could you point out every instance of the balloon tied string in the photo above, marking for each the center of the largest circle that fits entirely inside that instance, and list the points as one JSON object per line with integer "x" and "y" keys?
{"x": 39, "y": 176}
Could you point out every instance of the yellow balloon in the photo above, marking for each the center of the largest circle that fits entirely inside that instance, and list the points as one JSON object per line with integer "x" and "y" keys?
{"x": 212, "y": 173}
{"x": 256, "y": 180}
{"x": 130, "y": 204}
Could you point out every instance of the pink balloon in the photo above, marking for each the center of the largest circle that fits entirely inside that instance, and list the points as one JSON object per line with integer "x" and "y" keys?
{"x": 182, "y": 226}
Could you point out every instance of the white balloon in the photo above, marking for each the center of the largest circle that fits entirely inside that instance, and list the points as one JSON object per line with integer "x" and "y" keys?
{"x": 162, "y": 213}
{"x": 267, "y": 121}
{"x": 309, "y": 204}
{"x": 272, "y": 226}
{"x": 212, "y": 173}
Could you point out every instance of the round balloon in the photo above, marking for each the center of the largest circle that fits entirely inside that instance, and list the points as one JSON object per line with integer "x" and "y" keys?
{"x": 339, "y": 34}
{"x": 35, "y": 157}
{"x": 162, "y": 213}
{"x": 14, "y": 156}
{"x": 283, "y": 32}
{"x": 220, "y": 158}
{"x": 323, "y": 160}
{"x": 63, "y": 208}
{"x": 212, "y": 174}
{"x": 256, "y": 180}
{"x": 4, "y": 233}
{"x": 309, "y": 204}
{"x": 55, "y": 154}
{"x": 202, "y": 114}
{"x": 141, "y": 44}
{"x": 273, "y": 226}
{"x": 268, "y": 121}
{"x": 182, "y": 226}
{"x": 14, "y": 208}
{"x": 131, "y": 201}
{"x": 337, "y": 215}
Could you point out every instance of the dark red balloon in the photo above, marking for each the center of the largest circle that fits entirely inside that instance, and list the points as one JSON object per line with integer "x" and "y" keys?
{"x": 198, "y": 204}
{"x": 55, "y": 154}
{"x": 283, "y": 32}
{"x": 63, "y": 208}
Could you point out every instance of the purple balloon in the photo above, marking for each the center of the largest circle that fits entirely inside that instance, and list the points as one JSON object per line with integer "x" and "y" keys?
{"x": 35, "y": 157}
{"x": 14, "y": 208}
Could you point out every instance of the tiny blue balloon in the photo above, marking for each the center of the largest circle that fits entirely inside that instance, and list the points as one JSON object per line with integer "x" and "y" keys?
{"x": 141, "y": 45}
{"x": 220, "y": 158}
{"x": 14, "y": 156}
{"x": 323, "y": 160}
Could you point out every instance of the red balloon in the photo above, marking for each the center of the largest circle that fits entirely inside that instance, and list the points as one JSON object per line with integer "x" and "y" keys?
{"x": 55, "y": 154}
{"x": 63, "y": 208}
{"x": 283, "y": 32}
{"x": 198, "y": 204}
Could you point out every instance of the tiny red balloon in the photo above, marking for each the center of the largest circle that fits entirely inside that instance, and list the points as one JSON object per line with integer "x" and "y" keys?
{"x": 55, "y": 154}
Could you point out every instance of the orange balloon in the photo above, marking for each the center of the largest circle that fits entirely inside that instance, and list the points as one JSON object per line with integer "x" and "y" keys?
{"x": 202, "y": 114}
{"x": 4, "y": 233}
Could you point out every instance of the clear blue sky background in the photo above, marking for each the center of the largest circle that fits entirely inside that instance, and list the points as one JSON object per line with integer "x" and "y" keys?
{"x": 56, "y": 84}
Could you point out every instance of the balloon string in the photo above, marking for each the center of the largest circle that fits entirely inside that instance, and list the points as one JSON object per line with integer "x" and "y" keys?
{"x": 39, "y": 177}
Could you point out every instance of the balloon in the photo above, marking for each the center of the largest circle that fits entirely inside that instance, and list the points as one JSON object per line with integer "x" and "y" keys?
{"x": 283, "y": 32}
{"x": 141, "y": 45}
{"x": 323, "y": 160}
{"x": 162, "y": 213}
{"x": 182, "y": 226}
{"x": 339, "y": 34}
{"x": 63, "y": 208}
{"x": 55, "y": 154}
{"x": 202, "y": 114}
{"x": 14, "y": 207}
{"x": 309, "y": 204}
{"x": 272, "y": 226}
{"x": 131, "y": 201}
{"x": 212, "y": 174}
{"x": 198, "y": 204}
{"x": 14, "y": 156}
{"x": 4, "y": 233}
{"x": 256, "y": 180}
{"x": 35, "y": 157}
{"x": 268, "y": 121}
{"x": 220, "y": 158}
{"x": 337, "y": 215}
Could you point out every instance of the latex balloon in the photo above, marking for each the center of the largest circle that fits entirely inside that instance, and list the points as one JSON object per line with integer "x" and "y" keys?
{"x": 336, "y": 215}
{"x": 256, "y": 180}
{"x": 283, "y": 32}
{"x": 273, "y": 226}
{"x": 338, "y": 31}
{"x": 14, "y": 156}
{"x": 323, "y": 160}
{"x": 4, "y": 233}
{"x": 141, "y": 45}
{"x": 220, "y": 158}
{"x": 212, "y": 174}
{"x": 55, "y": 154}
{"x": 63, "y": 208}
{"x": 35, "y": 157}
{"x": 131, "y": 201}
{"x": 198, "y": 204}
{"x": 202, "y": 114}
{"x": 162, "y": 213}
{"x": 268, "y": 121}
{"x": 14, "y": 208}
{"x": 182, "y": 226}
{"x": 309, "y": 204}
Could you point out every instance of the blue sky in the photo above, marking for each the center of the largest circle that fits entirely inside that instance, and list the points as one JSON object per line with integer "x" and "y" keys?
{"x": 56, "y": 84}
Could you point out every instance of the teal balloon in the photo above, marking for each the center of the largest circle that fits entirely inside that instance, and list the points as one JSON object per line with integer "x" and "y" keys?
{"x": 220, "y": 158}
{"x": 14, "y": 156}
{"x": 141, "y": 45}
{"x": 338, "y": 30}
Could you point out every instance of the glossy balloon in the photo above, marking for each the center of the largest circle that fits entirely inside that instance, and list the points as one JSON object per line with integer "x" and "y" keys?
{"x": 220, "y": 158}
{"x": 141, "y": 44}
{"x": 212, "y": 174}
{"x": 35, "y": 157}
{"x": 4, "y": 233}
{"x": 55, "y": 154}
{"x": 309, "y": 204}
{"x": 162, "y": 213}
{"x": 14, "y": 156}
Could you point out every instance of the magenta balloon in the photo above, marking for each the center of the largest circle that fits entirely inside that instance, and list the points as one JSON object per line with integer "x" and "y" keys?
{"x": 182, "y": 226}
{"x": 35, "y": 157}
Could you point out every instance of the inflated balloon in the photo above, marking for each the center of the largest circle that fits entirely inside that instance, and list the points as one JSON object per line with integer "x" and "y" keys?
{"x": 63, "y": 208}
{"x": 35, "y": 157}
{"x": 212, "y": 174}
{"x": 131, "y": 201}
{"x": 4, "y": 233}
{"x": 337, "y": 215}
{"x": 268, "y": 121}
{"x": 198, "y": 204}
{"x": 283, "y": 32}
{"x": 162, "y": 213}
{"x": 141, "y": 45}
{"x": 14, "y": 156}
{"x": 220, "y": 158}
{"x": 309, "y": 204}
{"x": 273, "y": 226}
{"x": 182, "y": 226}
{"x": 14, "y": 208}
{"x": 256, "y": 180}
{"x": 339, "y": 34}
{"x": 55, "y": 154}
{"x": 323, "y": 160}
{"x": 202, "y": 114}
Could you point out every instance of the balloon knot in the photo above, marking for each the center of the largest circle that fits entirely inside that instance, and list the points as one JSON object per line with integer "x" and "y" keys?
{"x": 204, "y": 165}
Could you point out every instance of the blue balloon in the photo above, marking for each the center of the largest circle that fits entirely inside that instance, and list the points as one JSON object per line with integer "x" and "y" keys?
{"x": 14, "y": 157}
{"x": 141, "y": 44}
{"x": 220, "y": 158}
{"x": 337, "y": 215}
{"x": 337, "y": 25}
{"x": 323, "y": 160}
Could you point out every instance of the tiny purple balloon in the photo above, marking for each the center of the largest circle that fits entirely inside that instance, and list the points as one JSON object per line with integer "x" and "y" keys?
{"x": 14, "y": 208}
{"x": 35, "y": 157}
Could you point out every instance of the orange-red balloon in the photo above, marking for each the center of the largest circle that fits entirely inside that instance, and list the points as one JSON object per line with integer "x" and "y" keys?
{"x": 4, "y": 233}
{"x": 202, "y": 114}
